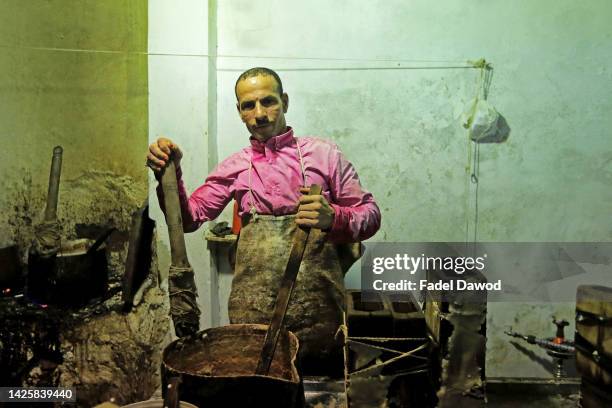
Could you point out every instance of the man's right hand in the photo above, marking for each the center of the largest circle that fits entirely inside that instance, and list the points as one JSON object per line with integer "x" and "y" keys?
{"x": 160, "y": 152}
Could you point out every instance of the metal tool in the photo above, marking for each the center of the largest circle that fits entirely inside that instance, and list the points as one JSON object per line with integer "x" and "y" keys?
{"x": 556, "y": 347}
{"x": 100, "y": 240}
{"x": 47, "y": 233}
{"x": 174, "y": 218}
{"x": 46, "y": 243}
{"x": 183, "y": 307}
{"x": 300, "y": 238}
{"x": 54, "y": 179}
{"x": 138, "y": 260}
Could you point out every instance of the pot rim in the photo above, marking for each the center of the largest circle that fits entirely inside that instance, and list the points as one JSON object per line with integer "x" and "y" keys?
{"x": 237, "y": 328}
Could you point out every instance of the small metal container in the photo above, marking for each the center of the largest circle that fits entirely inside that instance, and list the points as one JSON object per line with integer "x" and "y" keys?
{"x": 71, "y": 278}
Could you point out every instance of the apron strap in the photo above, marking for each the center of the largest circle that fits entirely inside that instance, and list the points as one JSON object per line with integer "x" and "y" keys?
{"x": 252, "y": 210}
{"x": 301, "y": 162}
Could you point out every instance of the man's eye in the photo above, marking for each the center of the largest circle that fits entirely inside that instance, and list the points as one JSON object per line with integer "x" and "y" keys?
{"x": 268, "y": 101}
{"x": 247, "y": 105}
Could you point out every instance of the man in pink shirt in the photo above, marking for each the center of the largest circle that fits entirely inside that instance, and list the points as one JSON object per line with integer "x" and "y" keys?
{"x": 268, "y": 180}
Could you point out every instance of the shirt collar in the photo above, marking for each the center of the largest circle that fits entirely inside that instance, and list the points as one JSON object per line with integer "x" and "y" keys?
{"x": 273, "y": 143}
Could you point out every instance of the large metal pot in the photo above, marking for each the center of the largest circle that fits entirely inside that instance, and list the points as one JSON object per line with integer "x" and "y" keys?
{"x": 71, "y": 278}
{"x": 216, "y": 369}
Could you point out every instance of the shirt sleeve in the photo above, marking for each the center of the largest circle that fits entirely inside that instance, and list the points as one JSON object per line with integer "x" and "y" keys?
{"x": 357, "y": 217}
{"x": 208, "y": 200}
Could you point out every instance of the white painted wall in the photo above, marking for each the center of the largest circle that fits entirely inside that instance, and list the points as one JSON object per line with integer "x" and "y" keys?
{"x": 178, "y": 109}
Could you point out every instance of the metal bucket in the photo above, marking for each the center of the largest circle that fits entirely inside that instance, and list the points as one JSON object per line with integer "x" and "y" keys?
{"x": 216, "y": 369}
{"x": 71, "y": 278}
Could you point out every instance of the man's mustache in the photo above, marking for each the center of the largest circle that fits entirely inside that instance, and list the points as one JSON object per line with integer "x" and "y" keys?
{"x": 262, "y": 124}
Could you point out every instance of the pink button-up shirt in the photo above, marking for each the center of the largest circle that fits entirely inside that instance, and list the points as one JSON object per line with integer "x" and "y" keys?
{"x": 275, "y": 180}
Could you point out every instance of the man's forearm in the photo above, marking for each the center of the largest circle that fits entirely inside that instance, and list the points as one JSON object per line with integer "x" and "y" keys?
{"x": 354, "y": 224}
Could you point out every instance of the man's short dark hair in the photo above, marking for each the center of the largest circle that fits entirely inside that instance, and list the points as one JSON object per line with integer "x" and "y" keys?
{"x": 249, "y": 73}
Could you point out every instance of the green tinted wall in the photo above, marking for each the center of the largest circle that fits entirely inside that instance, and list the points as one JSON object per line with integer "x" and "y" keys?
{"x": 72, "y": 73}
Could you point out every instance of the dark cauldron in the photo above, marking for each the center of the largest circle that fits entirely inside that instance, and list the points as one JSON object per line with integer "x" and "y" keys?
{"x": 72, "y": 278}
{"x": 216, "y": 369}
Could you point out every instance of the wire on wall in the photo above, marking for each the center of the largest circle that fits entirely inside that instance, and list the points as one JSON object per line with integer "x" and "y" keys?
{"x": 456, "y": 64}
{"x": 482, "y": 91}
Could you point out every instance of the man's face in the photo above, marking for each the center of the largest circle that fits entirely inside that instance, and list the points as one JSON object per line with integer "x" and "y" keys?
{"x": 261, "y": 107}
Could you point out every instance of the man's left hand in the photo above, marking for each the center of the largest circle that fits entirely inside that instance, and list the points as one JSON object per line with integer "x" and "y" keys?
{"x": 314, "y": 211}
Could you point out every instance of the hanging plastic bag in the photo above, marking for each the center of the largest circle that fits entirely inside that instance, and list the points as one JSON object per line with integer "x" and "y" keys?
{"x": 484, "y": 123}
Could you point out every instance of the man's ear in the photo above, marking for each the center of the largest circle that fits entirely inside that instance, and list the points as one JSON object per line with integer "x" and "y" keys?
{"x": 285, "y": 99}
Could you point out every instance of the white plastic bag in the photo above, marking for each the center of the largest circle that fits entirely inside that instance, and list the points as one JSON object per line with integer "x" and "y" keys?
{"x": 484, "y": 123}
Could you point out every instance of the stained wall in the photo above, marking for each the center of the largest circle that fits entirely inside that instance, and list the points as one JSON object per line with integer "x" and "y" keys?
{"x": 377, "y": 78}
{"x": 73, "y": 73}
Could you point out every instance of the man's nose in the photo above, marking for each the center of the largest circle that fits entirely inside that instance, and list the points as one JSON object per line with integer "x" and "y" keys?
{"x": 259, "y": 111}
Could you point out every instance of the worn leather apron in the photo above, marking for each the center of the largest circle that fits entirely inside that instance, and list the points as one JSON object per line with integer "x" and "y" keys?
{"x": 315, "y": 309}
